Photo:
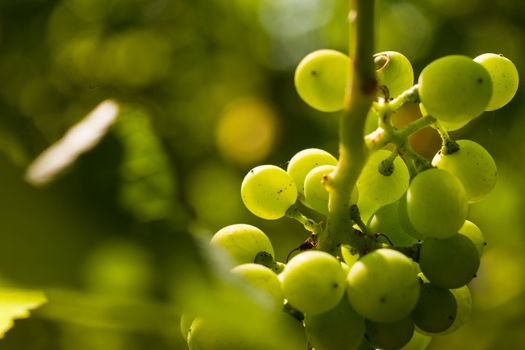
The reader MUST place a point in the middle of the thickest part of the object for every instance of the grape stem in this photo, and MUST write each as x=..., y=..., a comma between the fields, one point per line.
x=310, y=225
x=353, y=152
x=448, y=145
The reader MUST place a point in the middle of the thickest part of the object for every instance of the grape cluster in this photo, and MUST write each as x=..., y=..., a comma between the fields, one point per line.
x=408, y=280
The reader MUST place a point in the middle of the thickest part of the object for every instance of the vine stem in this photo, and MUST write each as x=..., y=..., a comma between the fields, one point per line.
x=353, y=151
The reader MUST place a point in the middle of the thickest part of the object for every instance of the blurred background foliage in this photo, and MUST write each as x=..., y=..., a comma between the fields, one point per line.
x=206, y=92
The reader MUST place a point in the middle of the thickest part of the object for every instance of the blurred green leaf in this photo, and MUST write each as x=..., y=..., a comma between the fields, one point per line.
x=17, y=303
x=148, y=187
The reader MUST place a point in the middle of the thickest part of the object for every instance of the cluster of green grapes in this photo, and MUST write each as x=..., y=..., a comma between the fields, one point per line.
x=410, y=283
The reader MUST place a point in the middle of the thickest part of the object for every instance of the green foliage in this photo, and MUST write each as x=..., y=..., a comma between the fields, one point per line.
x=205, y=91
x=17, y=303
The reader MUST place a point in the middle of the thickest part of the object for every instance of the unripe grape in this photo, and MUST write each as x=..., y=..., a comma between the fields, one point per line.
x=383, y=285
x=315, y=194
x=455, y=89
x=377, y=189
x=394, y=71
x=208, y=334
x=268, y=191
x=436, y=203
x=340, y=328
x=404, y=221
x=504, y=76
x=386, y=221
x=242, y=242
x=449, y=126
x=418, y=342
x=463, y=301
x=321, y=79
x=449, y=263
x=470, y=230
x=304, y=161
x=392, y=335
x=472, y=165
x=263, y=279
x=435, y=310
x=313, y=282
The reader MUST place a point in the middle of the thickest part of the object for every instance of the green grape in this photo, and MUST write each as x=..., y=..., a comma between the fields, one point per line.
x=435, y=310
x=376, y=189
x=404, y=222
x=340, y=328
x=383, y=285
x=348, y=256
x=313, y=282
x=263, y=279
x=449, y=263
x=223, y=333
x=394, y=71
x=436, y=203
x=292, y=330
x=346, y=268
x=371, y=123
x=392, y=335
x=268, y=191
x=386, y=221
x=463, y=301
x=315, y=194
x=242, y=242
x=208, y=334
x=472, y=165
x=321, y=79
x=504, y=76
x=418, y=342
x=365, y=345
x=306, y=160
x=473, y=232
x=449, y=126
x=455, y=89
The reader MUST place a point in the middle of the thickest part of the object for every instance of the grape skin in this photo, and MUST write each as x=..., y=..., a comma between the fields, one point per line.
x=315, y=194
x=242, y=242
x=463, y=300
x=313, y=282
x=386, y=221
x=455, y=89
x=263, y=279
x=436, y=309
x=418, y=342
x=470, y=230
x=392, y=335
x=436, y=203
x=504, y=77
x=340, y=328
x=404, y=221
x=376, y=189
x=268, y=191
x=449, y=263
x=394, y=70
x=304, y=161
x=321, y=79
x=473, y=166
x=383, y=285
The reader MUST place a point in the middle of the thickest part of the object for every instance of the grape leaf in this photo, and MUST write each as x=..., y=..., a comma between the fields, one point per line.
x=148, y=186
x=17, y=303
